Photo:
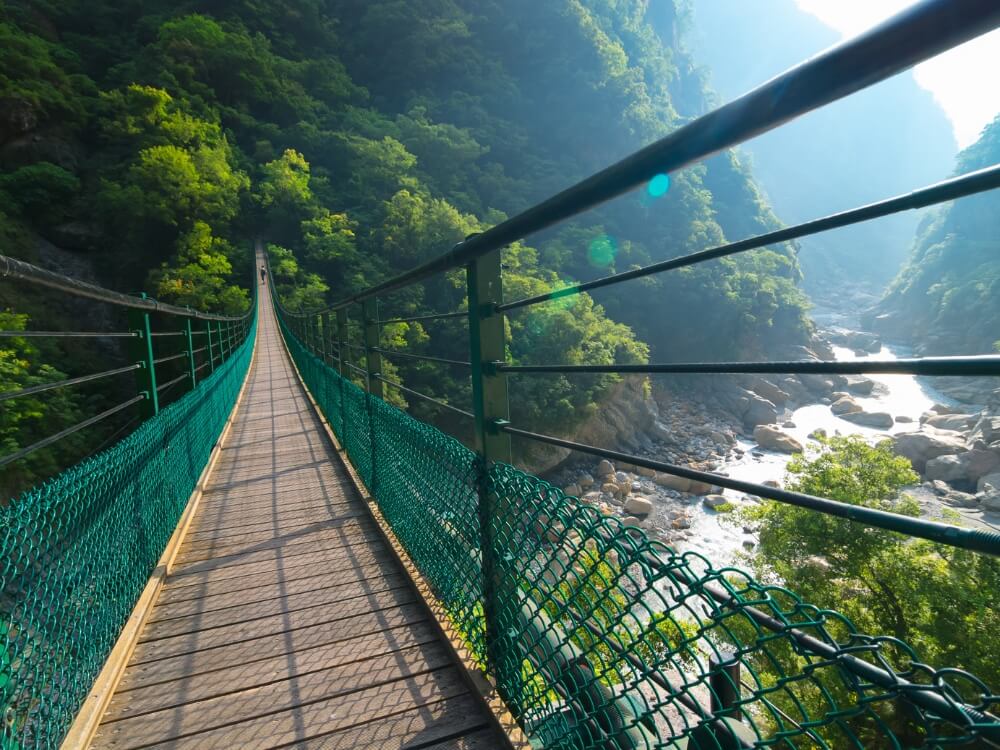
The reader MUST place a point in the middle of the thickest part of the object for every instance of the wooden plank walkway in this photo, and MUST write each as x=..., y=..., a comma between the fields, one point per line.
x=287, y=620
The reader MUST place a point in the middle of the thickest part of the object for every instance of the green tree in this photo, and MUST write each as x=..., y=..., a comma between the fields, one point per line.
x=938, y=599
x=199, y=277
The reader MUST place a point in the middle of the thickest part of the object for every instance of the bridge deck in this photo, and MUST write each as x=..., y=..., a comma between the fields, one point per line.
x=287, y=620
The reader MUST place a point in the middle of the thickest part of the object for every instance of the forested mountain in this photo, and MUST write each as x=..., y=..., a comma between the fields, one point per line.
x=157, y=139
x=947, y=298
x=886, y=140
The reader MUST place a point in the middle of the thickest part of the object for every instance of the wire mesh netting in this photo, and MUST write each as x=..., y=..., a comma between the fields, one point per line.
x=603, y=638
x=77, y=551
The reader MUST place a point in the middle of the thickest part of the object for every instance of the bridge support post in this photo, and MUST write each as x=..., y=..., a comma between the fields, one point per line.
x=373, y=360
x=490, y=406
x=344, y=347
x=190, y=351
x=211, y=349
x=142, y=352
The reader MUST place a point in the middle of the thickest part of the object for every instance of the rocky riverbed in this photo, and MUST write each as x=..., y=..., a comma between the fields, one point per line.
x=749, y=427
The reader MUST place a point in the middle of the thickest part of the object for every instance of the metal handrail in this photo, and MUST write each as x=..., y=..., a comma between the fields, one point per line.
x=11, y=268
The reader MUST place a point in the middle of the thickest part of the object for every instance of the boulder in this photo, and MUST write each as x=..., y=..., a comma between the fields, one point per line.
x=960, y=499
x=700, y=488
x=902, y=418
x=572, y=490
x=766, y=389
x=759, y=411
x=845, y=405
x=817, y=383
x=987, y=429
x=605, y=467
x=922, y=446
x=680, y=523
x=964, y=468
x=772, y=438
x=610, y=488
x=681, y=484
x=860, y=385
x=878, y=419
x=585, y=481
x=632, y=522
x=989, y=482
x=989, y=500
x=944, y=409
x=957, y=422
x=638, y=506
x=714, y=501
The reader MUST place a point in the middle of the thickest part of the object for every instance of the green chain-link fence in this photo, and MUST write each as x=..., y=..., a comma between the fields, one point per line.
x=603, y=638
x=77, y=551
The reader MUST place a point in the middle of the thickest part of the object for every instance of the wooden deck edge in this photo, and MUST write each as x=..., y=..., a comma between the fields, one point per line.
x=480, y=683
x=88, y=719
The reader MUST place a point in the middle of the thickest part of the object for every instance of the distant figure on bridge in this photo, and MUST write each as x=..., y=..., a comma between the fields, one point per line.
x=263, y=275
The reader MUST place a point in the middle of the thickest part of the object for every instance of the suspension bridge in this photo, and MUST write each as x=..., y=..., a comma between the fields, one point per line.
x=275, y=556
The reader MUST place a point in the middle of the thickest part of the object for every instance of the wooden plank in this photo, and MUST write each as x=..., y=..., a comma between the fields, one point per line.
x=276, y=572
x=411, y=729
x=330, y=596
x=151, y=647
x=357, y=526
x=198, y=574
x=484, y=739
x=319, y=579
x=228, y=543
x=279, y=705
x=239, y=677
x=142, y=673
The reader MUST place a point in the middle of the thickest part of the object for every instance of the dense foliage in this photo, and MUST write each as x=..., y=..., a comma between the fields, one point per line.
x=938, y=599
x=947, y=298
x=163, y=139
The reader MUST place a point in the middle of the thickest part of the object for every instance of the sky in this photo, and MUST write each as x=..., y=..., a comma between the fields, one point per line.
x=962, y=80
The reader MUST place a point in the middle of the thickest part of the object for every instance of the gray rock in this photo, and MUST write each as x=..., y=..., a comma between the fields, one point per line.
x=989, y=482
x=922, y=446
x=632, y=522
x=681, y=484
x=681, y=523
x=714, y=501
x=944, y=409
x=788, y=424
x=759, y=411
x=638, y=506
x=990, y=500
x=572, y=490
x=845, y=405
x=902, y=418
x=987, y=429
x=771, y=438
x=878, y=419
x=585, y=481
x=957, y=422
x=966, y=468
x=860, y=385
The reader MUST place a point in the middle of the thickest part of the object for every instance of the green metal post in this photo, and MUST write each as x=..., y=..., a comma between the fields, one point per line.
x=190, y=345
x=327, y=338
x=343, y=346
x=211, y=351
x=142, y=350
x=489, y=401
x=373, y=359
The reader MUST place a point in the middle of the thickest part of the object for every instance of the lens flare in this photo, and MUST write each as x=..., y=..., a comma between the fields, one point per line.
x=659, y=185
x=602, y=251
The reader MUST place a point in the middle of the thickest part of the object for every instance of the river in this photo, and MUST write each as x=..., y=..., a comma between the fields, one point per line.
x=713, y=535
